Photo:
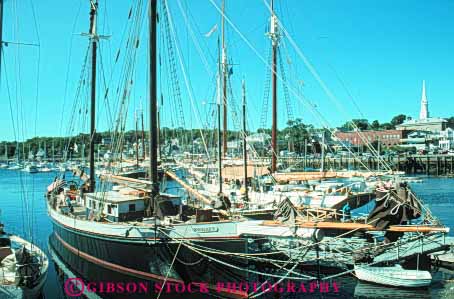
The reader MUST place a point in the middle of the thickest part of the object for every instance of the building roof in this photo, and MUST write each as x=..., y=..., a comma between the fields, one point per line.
x=113, y=197
x=430, y=120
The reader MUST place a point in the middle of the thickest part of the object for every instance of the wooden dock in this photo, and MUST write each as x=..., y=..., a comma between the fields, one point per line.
x=445, y=258
x=236, y=172
x=437, y=165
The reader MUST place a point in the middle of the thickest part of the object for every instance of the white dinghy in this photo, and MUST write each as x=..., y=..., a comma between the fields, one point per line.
x=395, y=276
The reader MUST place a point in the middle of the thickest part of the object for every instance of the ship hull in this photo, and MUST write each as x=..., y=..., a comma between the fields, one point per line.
x=114, y=259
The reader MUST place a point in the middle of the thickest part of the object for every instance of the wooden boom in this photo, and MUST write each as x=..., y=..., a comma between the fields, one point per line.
x=362, y=226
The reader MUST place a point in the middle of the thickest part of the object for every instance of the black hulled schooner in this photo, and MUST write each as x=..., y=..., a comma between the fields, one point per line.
x=128, y=230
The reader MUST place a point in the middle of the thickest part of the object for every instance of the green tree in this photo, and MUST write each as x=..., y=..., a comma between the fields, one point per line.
x=398, y=119
x=375, y=125
x=387, y=126
x=450, y=123
x=295, y=133
x=362, y=124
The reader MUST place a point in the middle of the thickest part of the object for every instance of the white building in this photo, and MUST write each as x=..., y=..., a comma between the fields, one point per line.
x=446, y=139
x=258, y=138
x=417, y=139
x=424, y=123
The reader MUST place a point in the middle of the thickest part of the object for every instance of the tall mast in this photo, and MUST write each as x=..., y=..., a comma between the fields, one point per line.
x=219, y=128
x=143, y=134
x=121, y=141
x=94, y=40
x=136, y=118
x=322, y=165
x=274, y=36
x=158, y=136
x=224, y=82
x=153, y=105
x=246, y=195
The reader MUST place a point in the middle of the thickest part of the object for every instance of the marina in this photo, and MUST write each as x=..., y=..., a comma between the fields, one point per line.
x=148, y=192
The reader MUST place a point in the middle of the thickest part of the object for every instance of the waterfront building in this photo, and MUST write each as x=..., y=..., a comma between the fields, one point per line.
x=446, y=139
x=259, y=140
x=417, y=140
x=385, y=137
x=106, y=141
x=234, y=147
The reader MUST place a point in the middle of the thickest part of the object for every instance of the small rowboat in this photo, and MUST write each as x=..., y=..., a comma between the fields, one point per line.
x=395, y=276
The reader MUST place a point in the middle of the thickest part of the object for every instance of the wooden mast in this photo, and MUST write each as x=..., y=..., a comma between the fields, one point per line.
x=219, y=124
x=136, y=119
x=224, y=83
x=322, y=149
x=94, y=40
x=143, y=135
x=246, y=194
x=274, y=36
x=153, y=106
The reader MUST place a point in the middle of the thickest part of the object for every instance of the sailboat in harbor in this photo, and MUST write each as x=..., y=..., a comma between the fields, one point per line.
x=325, y=191
x=129, y=230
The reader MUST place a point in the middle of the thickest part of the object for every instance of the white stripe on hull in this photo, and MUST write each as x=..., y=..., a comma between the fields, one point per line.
x=142, y=231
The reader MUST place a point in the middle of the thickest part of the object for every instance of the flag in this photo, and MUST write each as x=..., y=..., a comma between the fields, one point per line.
x=212, y=30
x=230, y=71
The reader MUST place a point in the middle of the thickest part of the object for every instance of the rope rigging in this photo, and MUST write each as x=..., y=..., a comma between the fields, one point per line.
x=172, y=67
x=288, y=104
x=266, y=93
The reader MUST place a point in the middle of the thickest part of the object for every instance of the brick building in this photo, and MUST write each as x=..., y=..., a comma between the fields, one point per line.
x=386, y=137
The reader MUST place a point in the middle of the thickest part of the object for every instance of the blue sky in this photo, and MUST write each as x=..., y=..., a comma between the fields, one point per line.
x=377, y=52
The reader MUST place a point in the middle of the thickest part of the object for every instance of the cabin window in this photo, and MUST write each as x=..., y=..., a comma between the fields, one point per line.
x=109, y=209
x=132, y=207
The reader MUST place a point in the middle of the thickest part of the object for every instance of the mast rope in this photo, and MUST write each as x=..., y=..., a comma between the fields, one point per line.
x=266, y=93
x=312, y=109
x=323, y=85
x=183, y=69
x=173, y=68
x=288, y=104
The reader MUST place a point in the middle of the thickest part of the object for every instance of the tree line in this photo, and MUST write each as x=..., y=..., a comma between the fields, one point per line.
x=292, y=137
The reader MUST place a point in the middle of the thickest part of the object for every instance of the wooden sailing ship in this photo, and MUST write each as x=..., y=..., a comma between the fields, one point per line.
x=134, y=232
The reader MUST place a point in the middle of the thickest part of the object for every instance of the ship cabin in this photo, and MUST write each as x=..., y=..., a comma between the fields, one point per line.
x=125, y=204
x=115, y=206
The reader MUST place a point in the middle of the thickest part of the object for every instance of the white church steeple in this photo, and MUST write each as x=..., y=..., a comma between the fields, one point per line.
x=424, y=113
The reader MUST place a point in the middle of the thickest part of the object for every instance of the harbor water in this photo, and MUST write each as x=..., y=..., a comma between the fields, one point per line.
x=23, y=211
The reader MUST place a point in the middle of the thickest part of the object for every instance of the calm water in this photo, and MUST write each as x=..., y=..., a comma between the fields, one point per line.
x=24, y=213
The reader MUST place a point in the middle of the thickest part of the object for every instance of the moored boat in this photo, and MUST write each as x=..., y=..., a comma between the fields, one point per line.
x=196, y=238
x=23, y=267
x=31, y=169
x=395, y=276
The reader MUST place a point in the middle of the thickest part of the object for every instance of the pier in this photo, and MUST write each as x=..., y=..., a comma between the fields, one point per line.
x=436, y=165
